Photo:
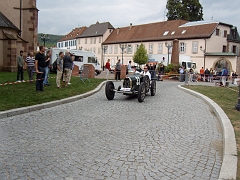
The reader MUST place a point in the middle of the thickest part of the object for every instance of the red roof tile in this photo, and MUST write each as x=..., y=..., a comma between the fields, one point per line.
x=155, y=32
x=73, y=34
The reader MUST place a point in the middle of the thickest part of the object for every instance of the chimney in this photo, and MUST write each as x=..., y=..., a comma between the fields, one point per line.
x=118, y=30
x=130, y=26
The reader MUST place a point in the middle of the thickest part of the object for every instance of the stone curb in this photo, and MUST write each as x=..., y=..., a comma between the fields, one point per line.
x=229, y=163
x=14, y=112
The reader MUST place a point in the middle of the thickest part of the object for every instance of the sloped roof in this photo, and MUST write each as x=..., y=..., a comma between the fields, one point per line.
x=6, y=23
x=73, y=34
x=166, y=30
x=97, y=29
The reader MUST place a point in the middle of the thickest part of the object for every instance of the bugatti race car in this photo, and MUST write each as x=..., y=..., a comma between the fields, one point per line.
x=133, y=84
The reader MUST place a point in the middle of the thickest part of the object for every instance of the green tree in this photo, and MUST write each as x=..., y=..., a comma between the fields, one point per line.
x=190, y=10
x=141, y=56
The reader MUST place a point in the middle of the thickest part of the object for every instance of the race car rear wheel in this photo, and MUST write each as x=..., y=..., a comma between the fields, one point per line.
x=141, y=92
x=146, y=80
x=153, y=88
x=109, y=90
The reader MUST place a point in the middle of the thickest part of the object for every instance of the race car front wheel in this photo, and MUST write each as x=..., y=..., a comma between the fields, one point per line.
x=109, y=90
x=141, y=92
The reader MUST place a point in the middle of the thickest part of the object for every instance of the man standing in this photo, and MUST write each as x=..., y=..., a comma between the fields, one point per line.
x=224, y=76
x=59, y=69
x=207, y=75
x=48, y=59
x=181, y=71
x=20, y=64
x=30, y=66
x=67, y=64
x=107, y=66
x=118, y=70
x=40, y=68
x=202, y=73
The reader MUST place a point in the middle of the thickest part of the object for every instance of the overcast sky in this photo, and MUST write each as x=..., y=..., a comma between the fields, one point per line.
x=61, y=16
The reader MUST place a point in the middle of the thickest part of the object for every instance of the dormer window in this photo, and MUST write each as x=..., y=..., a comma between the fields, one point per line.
x=173, y=33
x=184, y=31
x=96, y=32
x=165, y=33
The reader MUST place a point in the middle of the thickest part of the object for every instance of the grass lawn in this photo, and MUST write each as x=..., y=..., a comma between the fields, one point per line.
x=226, y=98
x=24, y=94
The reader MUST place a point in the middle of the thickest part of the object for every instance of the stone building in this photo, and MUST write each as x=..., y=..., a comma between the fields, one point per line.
x=18, y=31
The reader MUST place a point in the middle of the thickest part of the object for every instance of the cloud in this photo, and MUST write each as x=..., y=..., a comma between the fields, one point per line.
x=61, y=16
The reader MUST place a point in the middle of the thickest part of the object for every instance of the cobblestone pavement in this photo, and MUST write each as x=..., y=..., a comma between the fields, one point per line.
x=172, y=135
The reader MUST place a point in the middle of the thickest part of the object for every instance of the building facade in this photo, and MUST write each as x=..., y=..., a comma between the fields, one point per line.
x=69, y=40
x=210, y=44
x=92, y=38
x=18, y=31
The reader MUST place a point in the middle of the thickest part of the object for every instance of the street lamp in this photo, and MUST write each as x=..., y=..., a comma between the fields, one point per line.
x=238, y=103
x=168, y=45
x=122, y=47
x=44, y=38
x=104, y=48
x=204, y=51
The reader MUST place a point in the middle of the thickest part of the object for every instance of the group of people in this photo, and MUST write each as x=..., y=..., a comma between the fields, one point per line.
x=40, y=64
x=129, y=69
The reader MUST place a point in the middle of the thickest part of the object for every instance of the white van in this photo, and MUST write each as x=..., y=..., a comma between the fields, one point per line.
x=81, y=58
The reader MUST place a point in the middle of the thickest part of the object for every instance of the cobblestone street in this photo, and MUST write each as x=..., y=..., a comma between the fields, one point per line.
x=172, y=135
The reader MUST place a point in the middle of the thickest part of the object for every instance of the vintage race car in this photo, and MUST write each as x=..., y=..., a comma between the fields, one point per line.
x=133, y=84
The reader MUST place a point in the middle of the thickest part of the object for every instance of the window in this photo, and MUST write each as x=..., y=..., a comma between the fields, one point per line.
x=165, y=33
x=75, y=42
x=173, y=33
x=182, y=47
x=94, y=50
x=183, y=31
x=59, y=45
x=129, y=49
x=110, y=49
x=224, y=49
x=66, y=44
x=79, y=41
x=99, y=50
x=234, y=49
x=94, y=40
x=136, y=47
x=150, y=48
x=91, y=39
x=100, y=40
x=91, y=60
x=71, y=43
x=105, y=49
x=115, y=49
x=225, y=33
x=194, y=47
x=78, y=58
x=218, y=32
x=86, y=41
x=160, y=48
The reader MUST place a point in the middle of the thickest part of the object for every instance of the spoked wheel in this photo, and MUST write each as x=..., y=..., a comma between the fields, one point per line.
x=146, y=80
x=141, y=92
x=153, y=88
x=109, y=90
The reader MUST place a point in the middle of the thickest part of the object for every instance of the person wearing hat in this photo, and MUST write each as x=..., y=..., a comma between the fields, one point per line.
x=67, y=64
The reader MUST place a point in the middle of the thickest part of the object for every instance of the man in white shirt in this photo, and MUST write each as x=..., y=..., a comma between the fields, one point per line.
x=146, y=72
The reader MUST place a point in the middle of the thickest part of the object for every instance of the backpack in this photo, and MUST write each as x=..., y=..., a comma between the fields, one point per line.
x=54, y=65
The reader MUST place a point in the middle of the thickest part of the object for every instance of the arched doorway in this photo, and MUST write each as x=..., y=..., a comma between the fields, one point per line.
x=220, y=63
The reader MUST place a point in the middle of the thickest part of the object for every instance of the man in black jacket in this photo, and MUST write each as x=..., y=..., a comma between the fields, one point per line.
x=67, y=67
